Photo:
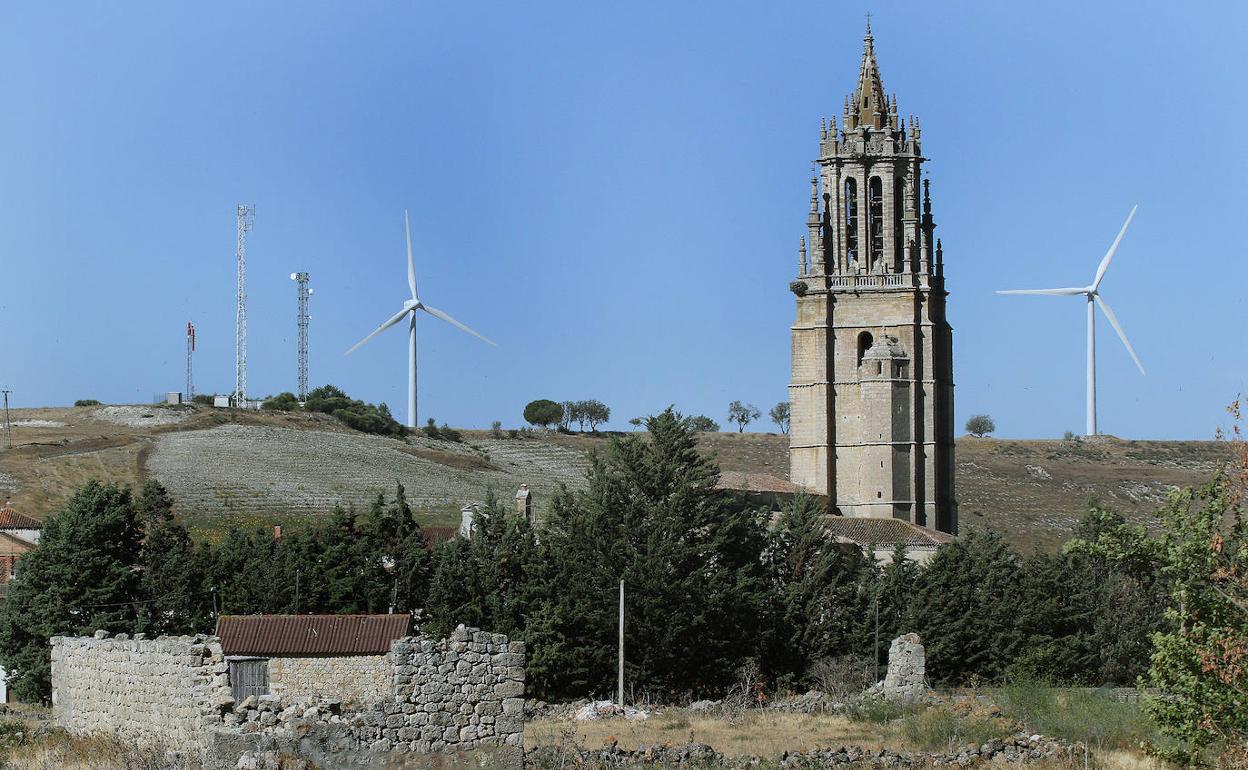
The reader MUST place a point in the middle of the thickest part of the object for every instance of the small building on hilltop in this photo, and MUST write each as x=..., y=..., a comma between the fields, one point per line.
x=311, y=656
x=879, y=538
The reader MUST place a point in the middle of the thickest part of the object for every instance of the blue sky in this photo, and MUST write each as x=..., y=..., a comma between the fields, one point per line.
x=613, y=192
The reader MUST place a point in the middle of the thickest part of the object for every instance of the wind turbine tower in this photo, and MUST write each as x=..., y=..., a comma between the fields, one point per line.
x=246, y=219
x=1092, y=294
x=305, y=293
x=408, y=313
x=190, y=351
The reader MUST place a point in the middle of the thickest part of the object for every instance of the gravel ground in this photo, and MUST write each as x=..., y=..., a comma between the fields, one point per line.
x=262, y=470
x=141, y=416
x=38, y=424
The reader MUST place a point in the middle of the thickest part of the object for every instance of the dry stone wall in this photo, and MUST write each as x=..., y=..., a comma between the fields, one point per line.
x=460, y=694
x=354, y=680
x=167, y=691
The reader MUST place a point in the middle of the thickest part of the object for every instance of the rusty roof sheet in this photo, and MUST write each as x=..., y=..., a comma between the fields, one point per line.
x=311, y=634
x=884, y=532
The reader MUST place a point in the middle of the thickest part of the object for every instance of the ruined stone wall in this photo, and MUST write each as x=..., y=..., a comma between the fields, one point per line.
x=355, y=680
x=451, y=695
x=166, y=691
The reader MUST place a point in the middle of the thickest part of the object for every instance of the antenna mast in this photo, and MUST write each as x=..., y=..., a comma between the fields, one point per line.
x=190, y=349
x=246, y=218
x=301, y=284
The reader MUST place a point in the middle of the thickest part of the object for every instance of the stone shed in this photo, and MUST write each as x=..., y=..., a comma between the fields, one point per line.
x=311, y=656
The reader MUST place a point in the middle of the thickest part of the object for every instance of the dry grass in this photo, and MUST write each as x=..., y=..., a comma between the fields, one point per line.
x=757, y=733
x=58, y=751
x=1031, y=491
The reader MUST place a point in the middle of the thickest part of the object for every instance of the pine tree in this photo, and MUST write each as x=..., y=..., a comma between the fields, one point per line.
x=891, y=590
x=81, y=577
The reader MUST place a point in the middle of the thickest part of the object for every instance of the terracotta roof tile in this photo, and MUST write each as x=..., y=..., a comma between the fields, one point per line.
x=755, y=482
x=311, y=634
x=11, y=519
x=884, y=532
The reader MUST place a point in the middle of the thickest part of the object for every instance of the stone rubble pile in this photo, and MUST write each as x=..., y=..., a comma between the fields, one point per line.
x=605, y=709
x=1016, y=749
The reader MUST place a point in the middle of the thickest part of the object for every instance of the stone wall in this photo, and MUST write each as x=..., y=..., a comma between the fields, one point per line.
x=354, y=680
x=450, y=696
x=907, y=673
x=167, y=691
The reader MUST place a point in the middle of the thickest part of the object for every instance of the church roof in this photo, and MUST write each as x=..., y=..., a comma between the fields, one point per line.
x=755, y=482
x=870, y=106
x=884, y=533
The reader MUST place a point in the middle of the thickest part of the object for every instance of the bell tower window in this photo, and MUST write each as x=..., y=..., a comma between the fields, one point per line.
x=875, y=212
x=851, y=221
x=899, y=207
x=865, y=340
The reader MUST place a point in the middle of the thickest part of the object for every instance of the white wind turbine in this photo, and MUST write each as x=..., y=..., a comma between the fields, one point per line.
x=409, y=311
x=1092, y=292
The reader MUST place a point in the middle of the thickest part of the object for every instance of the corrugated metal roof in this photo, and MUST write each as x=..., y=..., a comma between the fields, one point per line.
x=310, y=634
x=884, y=532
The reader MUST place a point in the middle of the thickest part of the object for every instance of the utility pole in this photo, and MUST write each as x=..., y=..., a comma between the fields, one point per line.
x=305, y=293
x=246, y=219
x=8, y=428
x=621, y=673
x=190, y=350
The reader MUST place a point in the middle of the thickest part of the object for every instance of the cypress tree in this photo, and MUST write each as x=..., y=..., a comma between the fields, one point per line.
x=966, y=609
x=820, y=589
x=690, y=557
x=81, y=577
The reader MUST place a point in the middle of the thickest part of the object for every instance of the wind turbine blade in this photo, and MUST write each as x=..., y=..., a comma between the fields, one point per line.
x=433, y=311
x=393, y=320
x=1057, y=292
x=1109, y=255
x=411, y=267
x=1113, y=321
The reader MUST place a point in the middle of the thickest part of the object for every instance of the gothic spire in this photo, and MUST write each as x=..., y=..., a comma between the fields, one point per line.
x=870, y=107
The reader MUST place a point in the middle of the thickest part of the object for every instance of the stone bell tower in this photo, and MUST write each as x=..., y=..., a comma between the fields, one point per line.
x=872, y=384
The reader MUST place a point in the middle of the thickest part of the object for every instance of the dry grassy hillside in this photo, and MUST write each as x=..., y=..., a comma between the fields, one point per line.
x=229, y=467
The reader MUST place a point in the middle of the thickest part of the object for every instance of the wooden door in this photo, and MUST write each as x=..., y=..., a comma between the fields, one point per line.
x=249, y=677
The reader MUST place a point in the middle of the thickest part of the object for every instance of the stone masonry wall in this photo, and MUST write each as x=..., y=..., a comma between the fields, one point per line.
x=166, y=691
x=354, y=680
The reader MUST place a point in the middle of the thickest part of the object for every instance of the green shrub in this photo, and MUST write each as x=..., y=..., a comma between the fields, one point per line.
x=363, y=417
x=496, y=429
x=202, y=398
x=86, y=402
x=877, y=710
x=282, y=402
x=936, y=729
x=1090, y=716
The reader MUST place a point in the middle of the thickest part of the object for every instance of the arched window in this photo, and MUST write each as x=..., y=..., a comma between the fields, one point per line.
x=865, y=340
x=851, y=221
x=875, y=220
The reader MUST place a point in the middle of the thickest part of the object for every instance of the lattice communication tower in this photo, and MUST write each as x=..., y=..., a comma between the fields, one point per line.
x=246, y=219
x=305, y=293
x=190, y=350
